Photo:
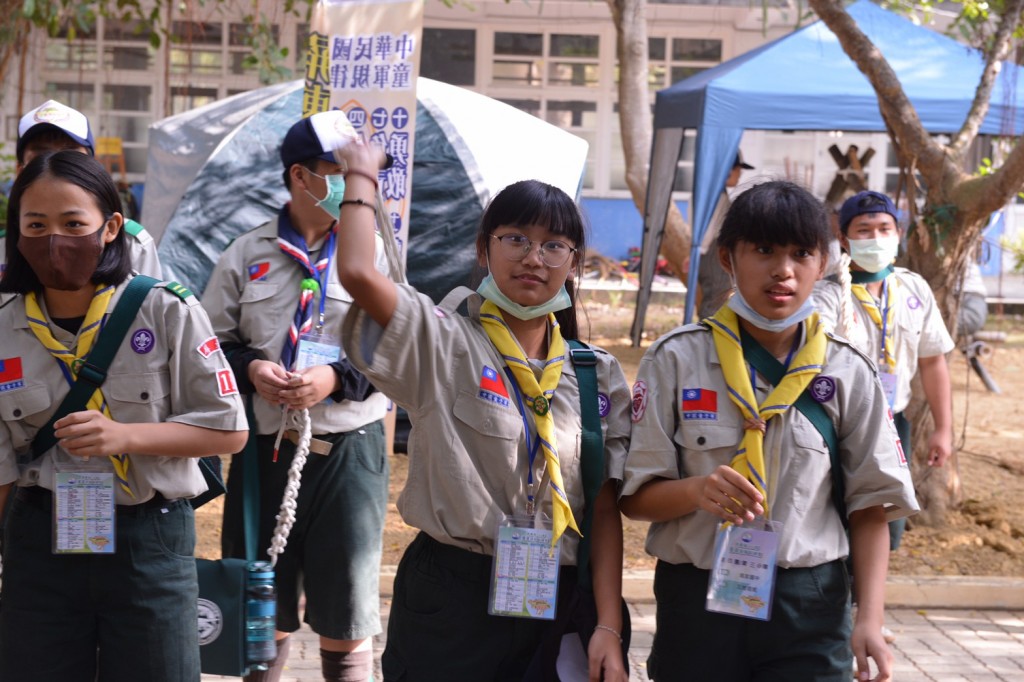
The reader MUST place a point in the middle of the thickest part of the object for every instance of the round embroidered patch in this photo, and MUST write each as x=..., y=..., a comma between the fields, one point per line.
x=639, y=400
x=211, y=621
x=142, y=341
x=913, y=303
x=823, y=388
x=604, y=405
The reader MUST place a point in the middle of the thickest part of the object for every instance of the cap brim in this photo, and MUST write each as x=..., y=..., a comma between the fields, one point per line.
x=746, y=166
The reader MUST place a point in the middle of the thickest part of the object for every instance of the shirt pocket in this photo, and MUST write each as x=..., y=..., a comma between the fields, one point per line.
x=704, y=445
x=138, y=398
x=257, y=316
x=485, y=446
x=25, y=410
x=808, y=467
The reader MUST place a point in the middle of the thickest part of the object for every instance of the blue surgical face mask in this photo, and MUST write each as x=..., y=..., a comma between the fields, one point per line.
x=875, y=254
x=739, y=305
x=331, y=204
x=489, y=290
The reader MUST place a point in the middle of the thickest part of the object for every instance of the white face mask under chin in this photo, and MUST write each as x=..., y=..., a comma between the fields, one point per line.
x=490, y=290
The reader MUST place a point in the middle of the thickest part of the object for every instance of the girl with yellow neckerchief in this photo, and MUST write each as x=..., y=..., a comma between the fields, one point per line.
x=494, y=403
x=718, y=450
x=99, y=580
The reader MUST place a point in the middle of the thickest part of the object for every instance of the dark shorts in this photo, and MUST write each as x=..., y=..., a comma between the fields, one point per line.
x=808, y=637
x=333, y=551
x=903, y=429
x=439, y=628
x=137, y=607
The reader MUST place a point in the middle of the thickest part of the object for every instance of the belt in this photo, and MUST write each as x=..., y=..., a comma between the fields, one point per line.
x=316, y=445
x=41, y=498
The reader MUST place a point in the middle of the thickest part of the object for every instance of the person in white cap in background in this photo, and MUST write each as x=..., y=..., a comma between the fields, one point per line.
x=52, y=127
x=715, y=283
x=274, y=293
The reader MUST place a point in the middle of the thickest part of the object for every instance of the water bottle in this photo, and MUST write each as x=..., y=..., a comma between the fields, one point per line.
x=260, y=616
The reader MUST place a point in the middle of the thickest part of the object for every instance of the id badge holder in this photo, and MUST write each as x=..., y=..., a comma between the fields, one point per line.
x=889, y=383
x=524, y=573
x=742, y=578
x=84, y=519
x=316, y=349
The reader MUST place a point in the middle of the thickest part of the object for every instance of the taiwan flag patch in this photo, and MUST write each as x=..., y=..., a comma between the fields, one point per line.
x=258, y=271
x=492, y=388
x=700, y=403
x=10, y=374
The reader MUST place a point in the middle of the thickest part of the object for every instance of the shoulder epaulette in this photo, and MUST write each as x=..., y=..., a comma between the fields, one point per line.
x=133, y=228
x=179, y=290
x=843, y=341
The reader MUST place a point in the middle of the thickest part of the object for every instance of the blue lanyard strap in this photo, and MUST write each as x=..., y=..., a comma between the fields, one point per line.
x=884, y=309
x=532, y=446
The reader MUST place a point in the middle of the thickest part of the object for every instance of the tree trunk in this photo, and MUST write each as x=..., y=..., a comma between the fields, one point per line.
x=635, y=123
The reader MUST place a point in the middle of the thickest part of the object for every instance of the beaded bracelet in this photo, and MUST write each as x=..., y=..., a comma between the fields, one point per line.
x=360, y=202
x=609, y=629
x=369, y=177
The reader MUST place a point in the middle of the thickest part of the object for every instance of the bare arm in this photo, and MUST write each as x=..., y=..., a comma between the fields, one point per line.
x=725, y=493
x=371, y=290
x=935, y=381
x=605, y=652
x=869, y=547
x=90, y=434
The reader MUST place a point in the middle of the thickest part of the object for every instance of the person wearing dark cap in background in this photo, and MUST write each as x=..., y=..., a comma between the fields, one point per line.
x=52, y=127
x=272, y=296
x=890, y=314
x=715, y=283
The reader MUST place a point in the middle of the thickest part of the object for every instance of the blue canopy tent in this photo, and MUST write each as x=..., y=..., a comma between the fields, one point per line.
x=804, y=81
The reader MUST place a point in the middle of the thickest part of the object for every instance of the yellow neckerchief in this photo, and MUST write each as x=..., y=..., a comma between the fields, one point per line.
x=867, y=302
x=538, y=396
x=70, y=360
x=749, y=457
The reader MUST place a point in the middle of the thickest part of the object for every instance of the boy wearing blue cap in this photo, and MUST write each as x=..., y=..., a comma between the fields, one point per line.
x=274, y=296
x=52, y=127
x=890, y=314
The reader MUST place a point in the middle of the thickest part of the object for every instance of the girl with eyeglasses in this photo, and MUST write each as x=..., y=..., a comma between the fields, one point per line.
x=494, y=402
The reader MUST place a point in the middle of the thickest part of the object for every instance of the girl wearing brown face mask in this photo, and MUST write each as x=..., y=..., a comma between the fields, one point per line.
x=122, y=606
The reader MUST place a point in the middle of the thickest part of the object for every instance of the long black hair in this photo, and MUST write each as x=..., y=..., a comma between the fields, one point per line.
x=532, y=202
x=777, y=212
x=86, y=172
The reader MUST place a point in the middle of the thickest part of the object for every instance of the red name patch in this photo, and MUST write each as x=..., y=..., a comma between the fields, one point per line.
x=209, y=347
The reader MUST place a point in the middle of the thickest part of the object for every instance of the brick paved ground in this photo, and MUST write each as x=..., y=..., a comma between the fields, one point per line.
x=933, y=645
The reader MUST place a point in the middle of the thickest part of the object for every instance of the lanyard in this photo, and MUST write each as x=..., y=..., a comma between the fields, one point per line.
x=884, y=309
x=323, y=277
x=532, y=446
x=789, y=358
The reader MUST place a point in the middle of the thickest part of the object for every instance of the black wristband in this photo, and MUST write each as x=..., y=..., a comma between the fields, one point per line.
x=360, y=202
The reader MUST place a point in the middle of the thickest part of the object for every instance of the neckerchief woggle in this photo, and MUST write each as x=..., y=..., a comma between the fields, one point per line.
x=69, y=361
x=885, y=318
x=314, y=281
x=749, y=457
x=538, y=396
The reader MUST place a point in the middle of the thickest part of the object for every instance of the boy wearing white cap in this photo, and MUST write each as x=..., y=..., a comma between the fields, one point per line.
x=52, y=127
x=274, y=291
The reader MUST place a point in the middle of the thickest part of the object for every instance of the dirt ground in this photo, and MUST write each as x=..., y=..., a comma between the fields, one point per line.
x=984, y=536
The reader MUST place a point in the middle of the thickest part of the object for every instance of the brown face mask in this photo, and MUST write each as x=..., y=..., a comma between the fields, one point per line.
x=61, y=262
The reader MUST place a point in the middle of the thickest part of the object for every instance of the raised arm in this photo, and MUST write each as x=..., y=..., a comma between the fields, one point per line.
x=371, y=290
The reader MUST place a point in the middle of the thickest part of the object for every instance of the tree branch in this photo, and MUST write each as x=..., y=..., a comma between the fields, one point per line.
x=994, y=56
x=895, y=107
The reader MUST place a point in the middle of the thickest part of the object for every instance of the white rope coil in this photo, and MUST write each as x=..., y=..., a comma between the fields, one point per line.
x=289, y=502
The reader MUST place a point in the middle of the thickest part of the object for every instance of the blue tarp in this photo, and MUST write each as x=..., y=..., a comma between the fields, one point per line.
x=804, y=81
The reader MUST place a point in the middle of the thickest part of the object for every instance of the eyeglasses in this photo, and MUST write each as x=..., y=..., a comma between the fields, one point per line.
x=515, y=247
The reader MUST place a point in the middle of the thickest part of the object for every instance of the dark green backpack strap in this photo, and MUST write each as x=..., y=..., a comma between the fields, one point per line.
x=591, y=449
x=774, y=371
x=93, y=373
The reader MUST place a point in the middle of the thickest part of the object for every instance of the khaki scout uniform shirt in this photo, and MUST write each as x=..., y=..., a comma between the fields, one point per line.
x=468, y=463
x=920, y=331
x=670, y=443
x=251, y=299
x=168, y=380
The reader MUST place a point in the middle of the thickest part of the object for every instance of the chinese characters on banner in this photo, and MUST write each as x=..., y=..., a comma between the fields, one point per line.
x=363, y=58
